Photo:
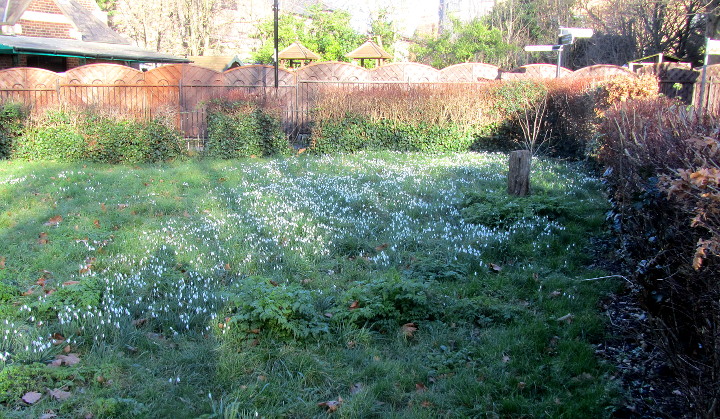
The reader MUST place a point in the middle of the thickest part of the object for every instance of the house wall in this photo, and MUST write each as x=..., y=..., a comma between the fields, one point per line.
x=47, y=29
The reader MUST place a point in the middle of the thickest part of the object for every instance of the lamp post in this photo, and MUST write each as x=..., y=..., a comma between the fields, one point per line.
x=276, y=9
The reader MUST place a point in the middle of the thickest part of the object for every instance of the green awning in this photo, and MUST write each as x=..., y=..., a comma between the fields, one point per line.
x=80, y=49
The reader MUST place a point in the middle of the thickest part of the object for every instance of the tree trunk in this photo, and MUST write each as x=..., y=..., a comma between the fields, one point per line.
x=519, y=173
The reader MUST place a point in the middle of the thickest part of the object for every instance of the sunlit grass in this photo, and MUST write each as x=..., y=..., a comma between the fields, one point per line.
x=142, y=273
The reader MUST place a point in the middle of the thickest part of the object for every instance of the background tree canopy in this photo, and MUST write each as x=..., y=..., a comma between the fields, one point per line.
x=326, y=32
x=473, y=41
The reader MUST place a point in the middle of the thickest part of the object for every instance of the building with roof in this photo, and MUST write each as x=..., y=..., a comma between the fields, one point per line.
x=58, y=35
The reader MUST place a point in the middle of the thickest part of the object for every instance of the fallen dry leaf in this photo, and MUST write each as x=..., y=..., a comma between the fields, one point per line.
x=43, y=238
x=354, y=305
x=555, y=294
x=31, y=397
x=69, y=360
x=2, y=262
x=426, y=404
x=408, y=329
x=103, y=207
x=96, y=223
x=54, y=221
x=495, y=268
x=420, y=388
x=332, y=405
x=68, y=283
x=60, y=395
x=382, y=247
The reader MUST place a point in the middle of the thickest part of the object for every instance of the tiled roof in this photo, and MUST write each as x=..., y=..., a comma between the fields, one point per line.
x=297, y=51
x=218, y=63
x=11, y=10
x=91, y=28
x=369, y=50
x=76, y=48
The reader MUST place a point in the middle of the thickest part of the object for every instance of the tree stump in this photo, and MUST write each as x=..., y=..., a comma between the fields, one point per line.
x=519, y=173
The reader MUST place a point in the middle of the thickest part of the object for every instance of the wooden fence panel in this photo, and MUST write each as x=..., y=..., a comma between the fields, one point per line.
x=181, y=91
x=469, y=73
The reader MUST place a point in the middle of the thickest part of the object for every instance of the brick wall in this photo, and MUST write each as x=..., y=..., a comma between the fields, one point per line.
x=44, y=6
x=46, y=29
x=5, y=61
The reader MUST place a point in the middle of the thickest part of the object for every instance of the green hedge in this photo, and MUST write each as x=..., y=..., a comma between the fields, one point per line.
x=355, y=133
x=12, y=123
x=242, y=130
x=82, y=136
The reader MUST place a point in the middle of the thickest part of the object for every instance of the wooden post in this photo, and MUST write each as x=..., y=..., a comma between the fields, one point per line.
x=519, y=173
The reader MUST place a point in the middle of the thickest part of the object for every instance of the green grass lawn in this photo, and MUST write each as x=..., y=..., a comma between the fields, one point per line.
x=367, y=285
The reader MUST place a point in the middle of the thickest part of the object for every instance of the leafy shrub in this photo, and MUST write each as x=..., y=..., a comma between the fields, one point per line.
x=661, y=166
x=54, y=136
x=261, y=306
x=12, y=121
x=386, y=299
x=242, y=129
x=70, y=135
x=622, y=88
x=355, y=133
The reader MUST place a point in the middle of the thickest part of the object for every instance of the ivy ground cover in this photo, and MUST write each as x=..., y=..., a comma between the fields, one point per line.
x=365, y=285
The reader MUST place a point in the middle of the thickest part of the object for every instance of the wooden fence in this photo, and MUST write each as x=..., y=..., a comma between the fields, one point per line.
x=182, y=91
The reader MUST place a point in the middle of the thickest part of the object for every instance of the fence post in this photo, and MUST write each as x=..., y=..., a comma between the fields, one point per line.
x=519, y=173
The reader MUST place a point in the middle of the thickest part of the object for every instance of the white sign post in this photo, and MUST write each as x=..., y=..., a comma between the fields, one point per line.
x=712, y=47
x=567, y=37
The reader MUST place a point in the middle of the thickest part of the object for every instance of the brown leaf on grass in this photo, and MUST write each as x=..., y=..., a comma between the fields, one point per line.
x=68, y=360
x=96, y=223
x=103, y=207
x=59, y=394
x=227, y=266
x=420, y=388
x=2, y=262
x=495, y=268
x=31, y=397
x=68, y=283
x=54, y=221
x=426, y=404
x=274, y=283
x=382, y=247
x=354, y=305
x=43, y=238
x=41, y=281
x=408, y=329
x=356, y=388
x=122, y=206
x=332, y=405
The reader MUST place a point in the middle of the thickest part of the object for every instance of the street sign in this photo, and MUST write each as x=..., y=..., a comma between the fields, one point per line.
x=713, y=47
x=534, y=48
x=566, y=39
x=577, y=32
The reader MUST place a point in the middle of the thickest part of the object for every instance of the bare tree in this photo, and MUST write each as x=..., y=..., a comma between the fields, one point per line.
x=184, y=27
